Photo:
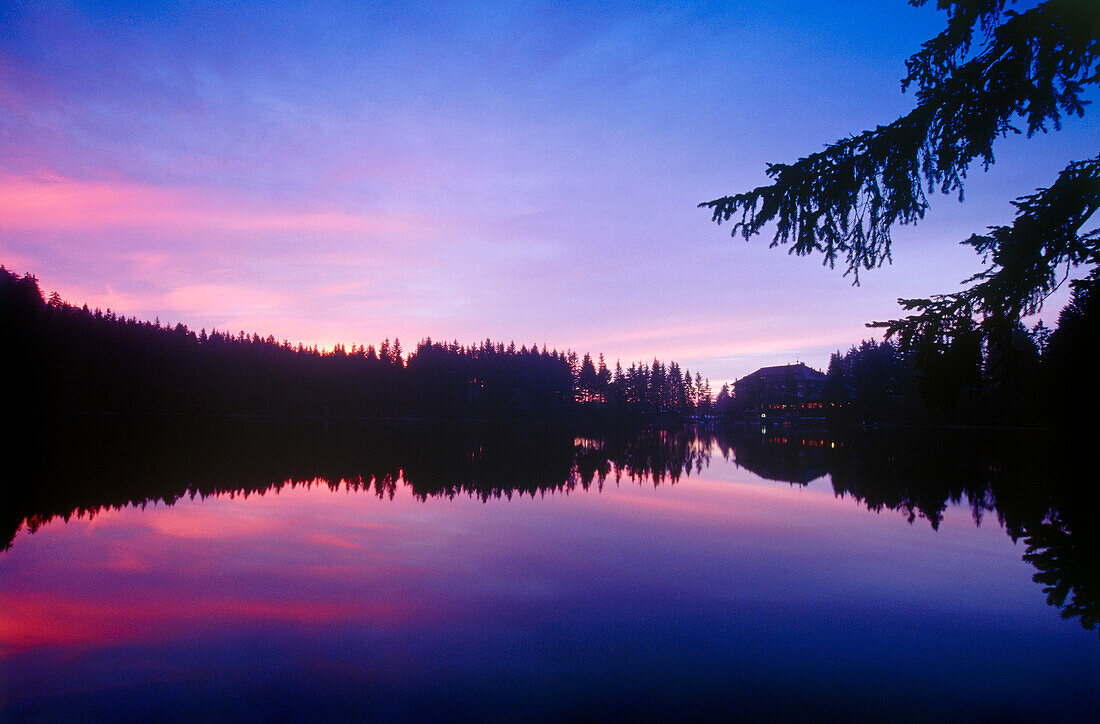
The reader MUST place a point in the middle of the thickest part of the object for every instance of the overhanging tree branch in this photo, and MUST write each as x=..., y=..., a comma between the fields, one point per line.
x=843, y=201
x=1027, y=261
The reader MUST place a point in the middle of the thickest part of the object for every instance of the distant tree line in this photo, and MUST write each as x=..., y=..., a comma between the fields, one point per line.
x=1039, y=376
x=74, y=359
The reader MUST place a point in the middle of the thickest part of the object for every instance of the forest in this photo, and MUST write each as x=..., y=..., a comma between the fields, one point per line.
x=1040, y=377
x=71, y=359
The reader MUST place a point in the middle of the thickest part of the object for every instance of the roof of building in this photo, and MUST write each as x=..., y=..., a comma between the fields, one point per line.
x=796, y=371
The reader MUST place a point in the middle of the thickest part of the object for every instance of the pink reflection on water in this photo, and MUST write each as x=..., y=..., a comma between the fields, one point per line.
x=131, y=615
x=304, y=557
x=130, y=575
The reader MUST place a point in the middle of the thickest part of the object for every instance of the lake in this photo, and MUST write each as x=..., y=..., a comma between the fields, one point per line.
x=232, y=569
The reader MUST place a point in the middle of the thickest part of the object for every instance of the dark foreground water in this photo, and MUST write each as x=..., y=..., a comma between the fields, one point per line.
x=239, y=570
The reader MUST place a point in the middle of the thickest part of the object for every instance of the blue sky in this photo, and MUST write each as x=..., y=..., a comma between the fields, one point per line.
x=519, y=171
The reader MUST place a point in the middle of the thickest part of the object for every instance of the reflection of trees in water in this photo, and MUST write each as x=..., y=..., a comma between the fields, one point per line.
x=1067, y=561
x=78, y=468
x=1031, y=483
x=790, y=457
x=70, y=468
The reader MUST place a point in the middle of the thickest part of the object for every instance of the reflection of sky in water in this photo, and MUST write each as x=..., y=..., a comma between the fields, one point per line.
x=718, y=589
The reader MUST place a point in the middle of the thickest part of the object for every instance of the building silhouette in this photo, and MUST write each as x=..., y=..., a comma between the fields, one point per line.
x=782, y=391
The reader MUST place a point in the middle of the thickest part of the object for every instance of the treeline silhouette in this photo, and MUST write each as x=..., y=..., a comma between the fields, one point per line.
x=73, y=359
x=1037, y=375
x=1034, y=377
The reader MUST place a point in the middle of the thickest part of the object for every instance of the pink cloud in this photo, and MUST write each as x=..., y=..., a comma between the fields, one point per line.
x=17, y=262
x=672, y=340
x=226, y=297
x=48, y=202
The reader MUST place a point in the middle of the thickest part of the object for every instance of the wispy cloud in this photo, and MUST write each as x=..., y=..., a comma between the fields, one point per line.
x=49, y=202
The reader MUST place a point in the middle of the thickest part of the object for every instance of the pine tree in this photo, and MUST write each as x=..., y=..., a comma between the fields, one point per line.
x=1029, y=68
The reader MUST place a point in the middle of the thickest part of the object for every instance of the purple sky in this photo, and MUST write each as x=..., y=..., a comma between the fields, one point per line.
x=521, y=172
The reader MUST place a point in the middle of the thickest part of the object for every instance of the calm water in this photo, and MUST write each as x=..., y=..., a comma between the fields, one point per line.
x=236, y=570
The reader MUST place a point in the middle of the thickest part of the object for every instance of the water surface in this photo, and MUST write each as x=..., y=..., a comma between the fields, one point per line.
x=250, y=570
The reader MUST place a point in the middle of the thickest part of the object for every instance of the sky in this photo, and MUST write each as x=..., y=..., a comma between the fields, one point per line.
x=332, y=173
